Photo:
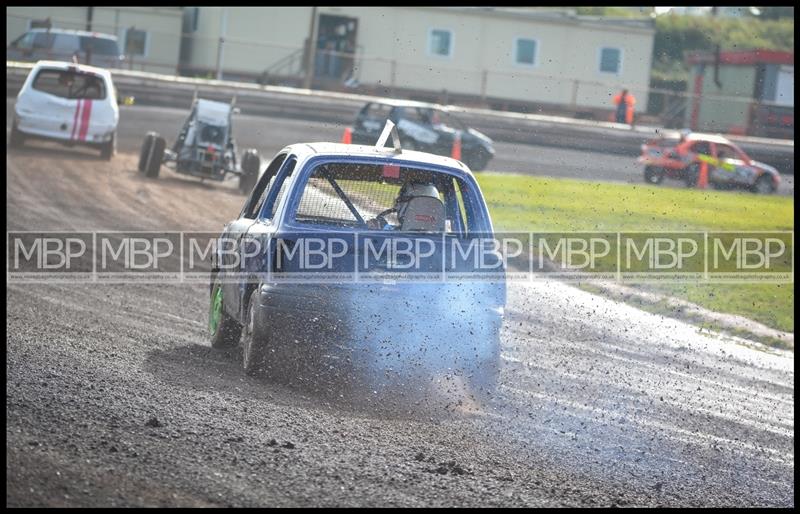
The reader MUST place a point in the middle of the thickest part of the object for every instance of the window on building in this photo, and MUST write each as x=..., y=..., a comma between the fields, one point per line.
x=440, y=42
x=525, y=51
x=610, y=60
x=135, y=42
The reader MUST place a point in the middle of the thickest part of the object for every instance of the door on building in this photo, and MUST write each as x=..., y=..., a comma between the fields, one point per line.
x=336, y=47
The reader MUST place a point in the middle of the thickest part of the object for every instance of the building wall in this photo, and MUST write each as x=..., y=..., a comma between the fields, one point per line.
x=393, y=50
x=162, y=25
x=718, y=115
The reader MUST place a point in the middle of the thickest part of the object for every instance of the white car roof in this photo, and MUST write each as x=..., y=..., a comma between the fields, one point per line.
x=63, y=65
x=213, y=113
x=323, y=148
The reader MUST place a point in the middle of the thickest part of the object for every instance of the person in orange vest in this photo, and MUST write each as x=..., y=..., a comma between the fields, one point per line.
x=624, y=103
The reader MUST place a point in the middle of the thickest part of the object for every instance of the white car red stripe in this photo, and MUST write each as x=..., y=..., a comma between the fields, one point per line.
x=75, y=120
x=86, y=115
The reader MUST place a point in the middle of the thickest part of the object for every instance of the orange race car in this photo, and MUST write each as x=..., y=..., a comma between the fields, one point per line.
x=679, y=158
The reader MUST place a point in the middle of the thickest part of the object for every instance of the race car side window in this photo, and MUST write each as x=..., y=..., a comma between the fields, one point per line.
x=702, y=147
x=278, y=188
x=259, y=193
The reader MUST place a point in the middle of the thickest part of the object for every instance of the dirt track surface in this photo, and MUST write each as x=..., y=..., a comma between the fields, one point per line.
x=115, y=397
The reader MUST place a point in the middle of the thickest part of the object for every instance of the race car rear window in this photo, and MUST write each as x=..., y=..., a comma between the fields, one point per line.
x=70, y=84
x=354, y=195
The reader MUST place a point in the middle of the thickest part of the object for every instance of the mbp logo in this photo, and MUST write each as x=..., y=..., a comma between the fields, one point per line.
x=750, y=256
x=53, y=254
x=659, y=255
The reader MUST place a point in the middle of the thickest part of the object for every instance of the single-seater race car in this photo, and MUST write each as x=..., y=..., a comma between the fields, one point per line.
x=205, y=148
x=360, y=262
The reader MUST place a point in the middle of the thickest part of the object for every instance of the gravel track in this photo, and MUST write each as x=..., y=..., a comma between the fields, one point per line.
x=115, y=397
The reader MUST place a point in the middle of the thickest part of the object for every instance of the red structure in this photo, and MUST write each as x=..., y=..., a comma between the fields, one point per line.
x=765, y=77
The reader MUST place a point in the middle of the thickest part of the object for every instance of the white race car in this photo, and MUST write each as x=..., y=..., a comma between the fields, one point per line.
x=70, y=103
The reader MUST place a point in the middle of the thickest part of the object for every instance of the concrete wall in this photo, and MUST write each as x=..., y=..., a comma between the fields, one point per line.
x=162, y=24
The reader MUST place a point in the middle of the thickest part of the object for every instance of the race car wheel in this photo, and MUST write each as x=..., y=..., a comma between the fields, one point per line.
x=251, y=164
x=155, y=157
x=691, y=176
x=108, y=149
x=17, y=138
x=253, y=339
x=144, y=154
x=478, y=161
x=764, y=185
x=225, y=331
x=653, y=175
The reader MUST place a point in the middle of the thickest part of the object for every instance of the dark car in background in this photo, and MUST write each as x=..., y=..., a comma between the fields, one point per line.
x=101, y=50
x=424, y=127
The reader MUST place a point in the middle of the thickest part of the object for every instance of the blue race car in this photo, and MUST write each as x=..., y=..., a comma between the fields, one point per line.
x=360, y=262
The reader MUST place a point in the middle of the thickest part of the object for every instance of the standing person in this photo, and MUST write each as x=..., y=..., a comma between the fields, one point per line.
x=624, y=103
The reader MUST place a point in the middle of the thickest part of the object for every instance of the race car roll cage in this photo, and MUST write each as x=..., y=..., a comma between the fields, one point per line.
x=227, y=161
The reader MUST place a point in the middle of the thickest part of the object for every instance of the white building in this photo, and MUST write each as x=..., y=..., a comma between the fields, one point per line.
x=512, y=54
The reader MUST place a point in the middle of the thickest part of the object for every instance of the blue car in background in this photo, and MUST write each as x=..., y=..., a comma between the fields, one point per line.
x=355, y=261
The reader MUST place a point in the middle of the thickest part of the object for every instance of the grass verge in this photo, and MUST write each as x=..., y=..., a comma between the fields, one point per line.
x=525, y=203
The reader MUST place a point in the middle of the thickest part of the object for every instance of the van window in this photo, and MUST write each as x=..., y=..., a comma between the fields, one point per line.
x=99, y=45
x=70, y=84
x=66, y=43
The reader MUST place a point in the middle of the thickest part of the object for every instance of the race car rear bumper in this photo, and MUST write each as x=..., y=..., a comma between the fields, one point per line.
x=30, y=128
x=379, y=330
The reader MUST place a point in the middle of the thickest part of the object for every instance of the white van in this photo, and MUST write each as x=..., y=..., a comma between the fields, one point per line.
x=91, y=48
x=70, y=103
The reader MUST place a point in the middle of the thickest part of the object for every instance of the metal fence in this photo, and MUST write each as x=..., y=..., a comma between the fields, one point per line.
x=523, y=89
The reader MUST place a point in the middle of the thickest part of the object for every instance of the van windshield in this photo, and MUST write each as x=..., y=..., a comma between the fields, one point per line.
x=70, y=84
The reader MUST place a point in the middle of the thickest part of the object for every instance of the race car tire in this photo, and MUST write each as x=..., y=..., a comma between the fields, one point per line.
x=144, y=154
x=251, y=163
x=764, y=185
x=225, y=331
x=253, y=339
x=479, y=161
x=156, y=156
x=691, y=175
x=109, y=149
x=653, y=175
x=17, y=138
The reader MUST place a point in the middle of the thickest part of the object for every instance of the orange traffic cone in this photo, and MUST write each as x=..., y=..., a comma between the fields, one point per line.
x=456, y=154
x=702, y=180
x=347, y=137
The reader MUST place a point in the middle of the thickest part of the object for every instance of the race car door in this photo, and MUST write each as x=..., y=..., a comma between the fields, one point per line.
x=229, y=250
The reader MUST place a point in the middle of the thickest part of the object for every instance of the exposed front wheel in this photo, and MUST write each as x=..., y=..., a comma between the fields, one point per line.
x=156, y=156
x=225, y=331
x=144, y=153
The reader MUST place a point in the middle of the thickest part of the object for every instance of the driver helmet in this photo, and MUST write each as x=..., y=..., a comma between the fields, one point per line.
x=413, y=190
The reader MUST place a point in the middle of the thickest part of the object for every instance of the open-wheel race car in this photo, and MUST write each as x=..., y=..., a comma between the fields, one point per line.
x=205, y=148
